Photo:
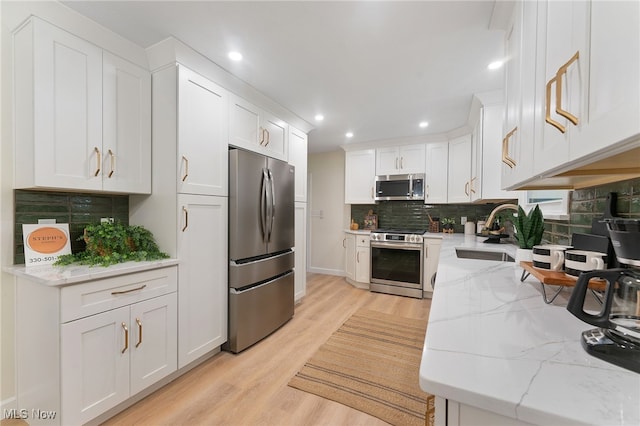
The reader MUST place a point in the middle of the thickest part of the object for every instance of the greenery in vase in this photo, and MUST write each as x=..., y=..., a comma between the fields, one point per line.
x=448, y=222
x=529, y=227
x=110, y=243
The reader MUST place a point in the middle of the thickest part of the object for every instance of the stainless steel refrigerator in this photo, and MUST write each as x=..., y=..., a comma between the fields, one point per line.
x=261, y=238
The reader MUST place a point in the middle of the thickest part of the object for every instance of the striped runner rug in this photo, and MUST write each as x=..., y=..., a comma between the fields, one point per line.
x=371, y=363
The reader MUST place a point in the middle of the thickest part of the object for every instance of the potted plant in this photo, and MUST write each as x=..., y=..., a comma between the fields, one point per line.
x=109, y=243
x=529, y=229
x=447, y=224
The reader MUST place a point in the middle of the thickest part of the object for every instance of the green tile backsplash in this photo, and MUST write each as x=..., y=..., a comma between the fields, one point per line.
x=585, y=205
x=76, y=209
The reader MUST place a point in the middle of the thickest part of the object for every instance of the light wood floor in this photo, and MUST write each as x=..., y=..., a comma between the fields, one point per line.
x=251, y=388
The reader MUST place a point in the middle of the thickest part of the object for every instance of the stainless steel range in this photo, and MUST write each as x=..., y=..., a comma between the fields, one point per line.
x=397, y=262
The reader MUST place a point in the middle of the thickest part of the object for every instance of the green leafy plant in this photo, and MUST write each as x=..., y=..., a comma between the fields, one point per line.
x=529, y=227
x=110, y=243
x=448, y=221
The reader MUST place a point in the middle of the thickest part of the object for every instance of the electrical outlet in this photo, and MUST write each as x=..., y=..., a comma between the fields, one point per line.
x=106, y=220
x=463, y=220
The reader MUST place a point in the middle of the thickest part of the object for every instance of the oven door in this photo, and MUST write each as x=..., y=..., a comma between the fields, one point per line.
x=398, y=264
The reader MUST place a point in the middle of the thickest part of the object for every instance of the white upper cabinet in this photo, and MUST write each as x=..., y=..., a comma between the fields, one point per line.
x=257, y=130
x=436, y=172
x=126, y=141
x=62, y=115
x=459, y=185
x=359, y=176
x=407, y=159
x=298, y=158
x=202, y=135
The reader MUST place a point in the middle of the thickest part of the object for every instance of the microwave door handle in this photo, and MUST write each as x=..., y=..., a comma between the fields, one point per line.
x=264, y=205
x=410, y=194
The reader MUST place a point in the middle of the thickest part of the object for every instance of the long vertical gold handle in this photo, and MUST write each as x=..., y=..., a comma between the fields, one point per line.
x=268, y=139
x=261, y=130
x=139, y=332
x=396, y=163
x=466, y=188
x=98, y=161
x=185, y=160
x=357, y=257
x=473, y=191
x=401, y=162
x=126, y=337
x=562, y=71
x=186, y=218
x=548, y=118
x=344, y=243
x=112, y=162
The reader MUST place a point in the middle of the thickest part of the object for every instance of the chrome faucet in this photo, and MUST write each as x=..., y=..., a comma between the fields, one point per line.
x=492, y=215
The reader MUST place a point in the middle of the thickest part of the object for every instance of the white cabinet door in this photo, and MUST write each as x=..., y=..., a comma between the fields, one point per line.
x=298, y=158
x=363, y=262
x=202, y=275
x=436, y=172
x=95, y=353
x=202, y=135
x=412, y=159
x=58, y=122
x=612, y=113
x=562, y=33
x=126, y=133
x=350, y=256
x=476, y=182
x=459, y=170
x=153, y=340
x=300, y=248
x=276, y=136
x=360, y=172
x=387, y=161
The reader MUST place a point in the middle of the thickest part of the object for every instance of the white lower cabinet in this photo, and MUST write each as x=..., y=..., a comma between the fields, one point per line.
x=453, y=413
x=202, y=250
x=113, y=355
x=357, y=258
x=104, y=340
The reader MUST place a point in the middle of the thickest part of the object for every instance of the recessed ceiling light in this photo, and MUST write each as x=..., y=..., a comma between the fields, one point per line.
x=349, y=134
x=319, y=117
x=235, y=56
x=495, y=65
x=423, y=124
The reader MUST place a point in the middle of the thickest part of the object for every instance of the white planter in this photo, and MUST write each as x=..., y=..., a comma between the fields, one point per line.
x=524, y=255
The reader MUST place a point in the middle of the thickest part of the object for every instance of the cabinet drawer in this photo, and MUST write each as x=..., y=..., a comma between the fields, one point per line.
x=81, y=300
x=362, y=241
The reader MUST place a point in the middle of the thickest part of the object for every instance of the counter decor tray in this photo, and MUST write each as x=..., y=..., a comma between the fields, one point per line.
x=559, y=279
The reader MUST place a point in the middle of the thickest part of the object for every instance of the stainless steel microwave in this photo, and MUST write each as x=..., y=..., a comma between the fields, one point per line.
x=400, y=187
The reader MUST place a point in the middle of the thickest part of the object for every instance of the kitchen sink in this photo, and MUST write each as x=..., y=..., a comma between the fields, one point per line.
x=483, y=255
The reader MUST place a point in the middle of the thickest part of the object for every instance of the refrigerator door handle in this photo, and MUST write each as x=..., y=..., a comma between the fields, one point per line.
x=264, y=205
x=273, y=203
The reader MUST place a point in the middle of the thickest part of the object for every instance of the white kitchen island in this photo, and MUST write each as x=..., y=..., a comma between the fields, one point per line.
x=495, y=353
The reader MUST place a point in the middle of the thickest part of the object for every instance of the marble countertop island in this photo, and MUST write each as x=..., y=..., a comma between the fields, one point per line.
x=492, y=343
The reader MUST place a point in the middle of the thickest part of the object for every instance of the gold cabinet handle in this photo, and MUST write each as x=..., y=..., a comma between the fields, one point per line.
x=466, y=188
x=139, y=332
x=357, y=257
x=261, y=131
x=505, y=149
x=185, y=160
x=563, y=71
x=548, y=118
x=473, y=191
x=186, y=218
x=344, y=243
x=396, y=163
x=98, y=161
x=401, y=162
x=112, y=162
x=126, y=337
x=128, y=291
x=268, y=139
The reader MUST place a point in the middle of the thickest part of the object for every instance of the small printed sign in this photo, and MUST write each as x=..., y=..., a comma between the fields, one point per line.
x=43, y=243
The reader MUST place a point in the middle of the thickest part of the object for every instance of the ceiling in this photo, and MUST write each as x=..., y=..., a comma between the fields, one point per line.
x=374, y=68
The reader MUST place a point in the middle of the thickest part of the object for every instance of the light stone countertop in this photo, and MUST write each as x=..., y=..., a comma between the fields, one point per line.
x=75, y=274
x=494, y=344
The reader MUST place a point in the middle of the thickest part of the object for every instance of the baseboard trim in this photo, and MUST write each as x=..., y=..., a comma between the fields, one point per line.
x=336, y=272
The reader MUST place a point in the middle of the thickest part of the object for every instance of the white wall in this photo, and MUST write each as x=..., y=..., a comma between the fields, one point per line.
x=329, y=216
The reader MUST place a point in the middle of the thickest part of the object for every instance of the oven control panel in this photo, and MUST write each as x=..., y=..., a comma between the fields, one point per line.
x=399, y=238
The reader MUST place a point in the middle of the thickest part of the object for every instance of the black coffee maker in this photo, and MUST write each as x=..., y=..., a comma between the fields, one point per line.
x=617, y=338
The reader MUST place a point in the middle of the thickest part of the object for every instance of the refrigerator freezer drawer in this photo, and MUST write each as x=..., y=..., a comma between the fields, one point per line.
x=258, y=311
x=244, y=274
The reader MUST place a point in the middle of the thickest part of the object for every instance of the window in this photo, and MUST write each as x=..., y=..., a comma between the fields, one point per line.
x=554, y=204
